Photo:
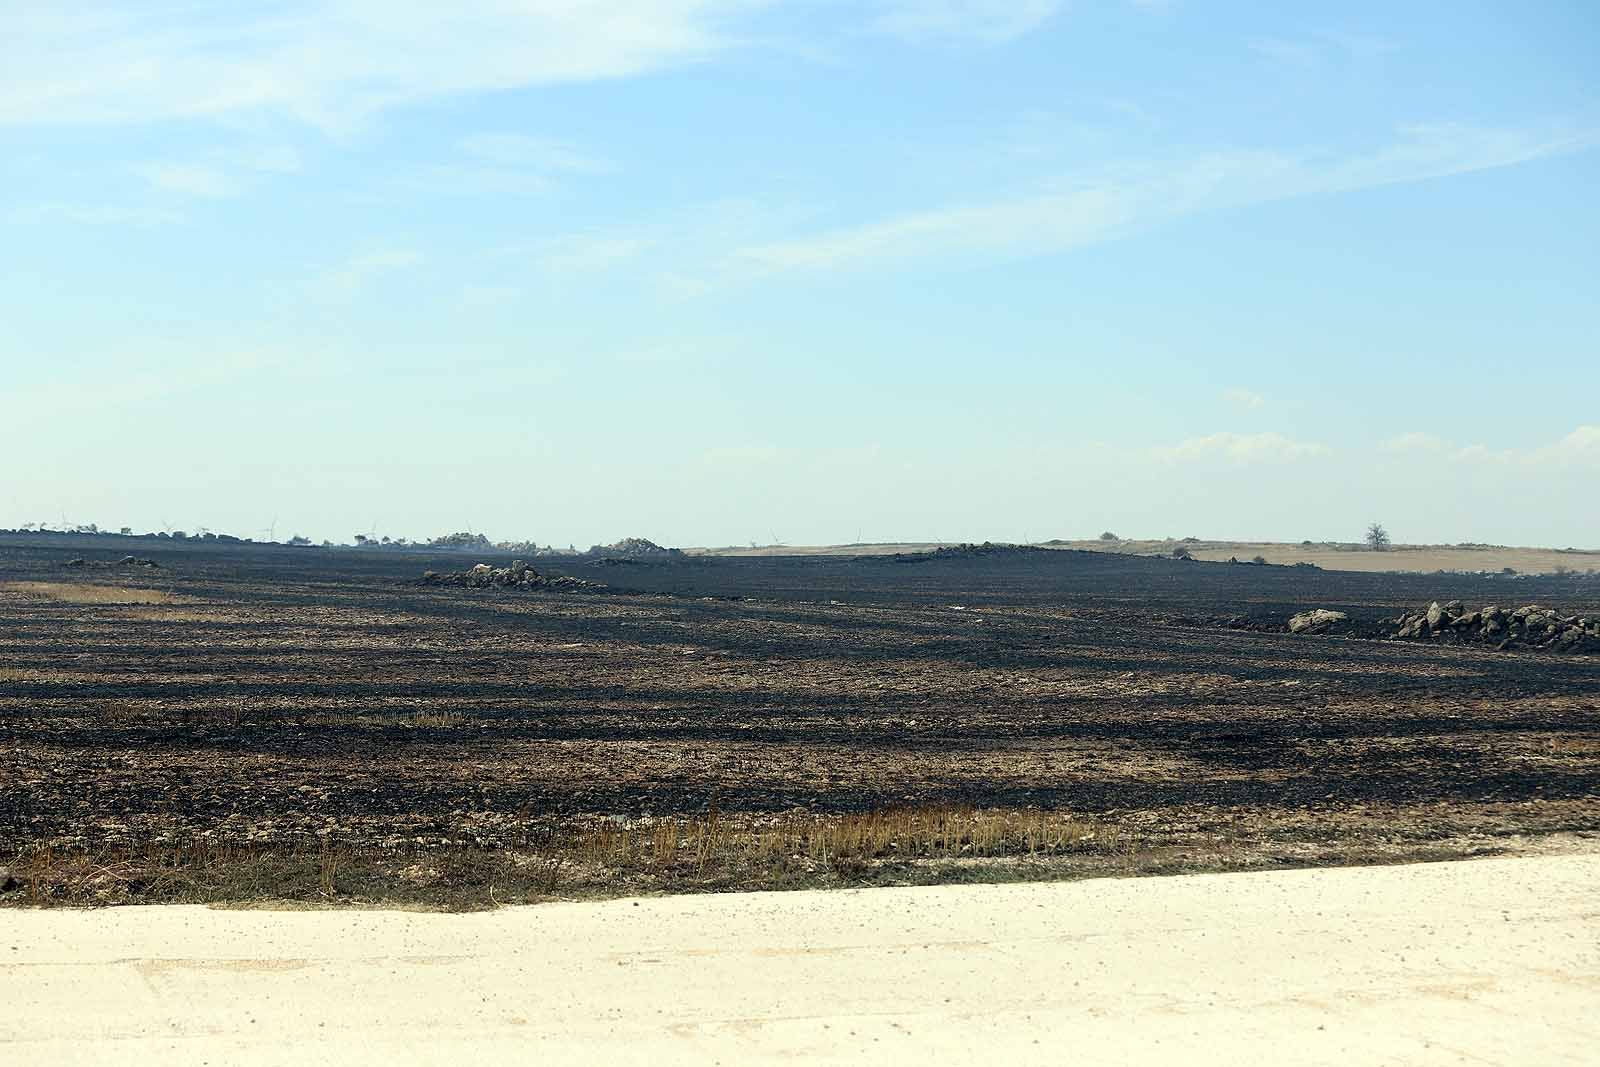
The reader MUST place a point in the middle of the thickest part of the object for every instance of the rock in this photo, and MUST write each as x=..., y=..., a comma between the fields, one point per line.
x=1435, y=615
x=1494, y=627
x=1454, y=608
x=1467, y=621
x=74, y=563
x=1507, y=645
x=483, y=576
x=1315, y=621
x=7, y=881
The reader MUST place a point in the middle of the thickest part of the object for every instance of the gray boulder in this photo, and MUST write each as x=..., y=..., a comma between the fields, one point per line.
x=1315, y=621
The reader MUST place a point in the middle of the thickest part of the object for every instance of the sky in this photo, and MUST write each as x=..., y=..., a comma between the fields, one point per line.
x=728, y=271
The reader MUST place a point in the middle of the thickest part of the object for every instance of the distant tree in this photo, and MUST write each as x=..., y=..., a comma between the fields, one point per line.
x=1109, y=536
x=297, y=541
x=127, y=531
x=1260, y=561
x=1181, y=552
x=1377, y=538
x=460, y=540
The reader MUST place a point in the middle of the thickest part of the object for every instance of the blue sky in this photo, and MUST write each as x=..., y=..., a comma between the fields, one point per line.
x=720, y=271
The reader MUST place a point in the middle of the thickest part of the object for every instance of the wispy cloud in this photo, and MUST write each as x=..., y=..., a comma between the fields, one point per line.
x=188, y=179
x=1581, y=447
x=991, y=21
x=1082, y=210
x=1415, y=442
x=359, y=270
x=83, y=214
x=1321, y=47
x=586, y=253
x=495, y=164
x=1243, y=398
x=1267, y=447
x=524, y=152
x=327, y=63
x=220, y=173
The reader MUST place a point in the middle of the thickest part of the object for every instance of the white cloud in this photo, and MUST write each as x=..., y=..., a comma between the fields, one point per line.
x=586, y=253
x=1581, y=447
x=1085, y=210
x=359, y=270
x=56, y=212
x=270, y=159
x=532, y=153
x=1415, y=442
x=493, y=164
x=1585, y=440
x=326, y=62
x=993, y=21
x=190, y=180
x=1243, y=398
x=220, y=173
x=1267, y=447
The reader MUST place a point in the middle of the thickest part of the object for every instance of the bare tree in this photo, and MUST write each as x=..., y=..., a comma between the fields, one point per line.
x=1377, y=537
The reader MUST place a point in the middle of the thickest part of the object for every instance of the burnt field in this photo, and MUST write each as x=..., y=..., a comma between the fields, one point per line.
x=322, y=723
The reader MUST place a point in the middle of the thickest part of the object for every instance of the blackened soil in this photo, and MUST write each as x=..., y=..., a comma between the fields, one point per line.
x=283, y=693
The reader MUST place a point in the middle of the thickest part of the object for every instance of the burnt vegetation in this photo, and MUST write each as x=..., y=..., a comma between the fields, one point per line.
x=247, y=722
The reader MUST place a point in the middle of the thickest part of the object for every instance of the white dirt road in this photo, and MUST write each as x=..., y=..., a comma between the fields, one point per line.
x=1490, y=961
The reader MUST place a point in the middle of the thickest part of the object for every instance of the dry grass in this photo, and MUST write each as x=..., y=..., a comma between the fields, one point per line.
x=85, y=593
x=1425, y=559
x=437, y=720
x=897, y=834
x=171, y=614
x=601, y=857
x=32, y=674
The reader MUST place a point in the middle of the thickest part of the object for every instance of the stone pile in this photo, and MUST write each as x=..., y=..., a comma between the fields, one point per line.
x=1524, y=627
x=634, y=548
x=125, y=561
x=517, y=576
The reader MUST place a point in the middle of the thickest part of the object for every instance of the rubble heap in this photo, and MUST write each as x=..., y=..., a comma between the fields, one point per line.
x=517, y=576
x=634, y=548
x=1525, y=627
x=125, y=561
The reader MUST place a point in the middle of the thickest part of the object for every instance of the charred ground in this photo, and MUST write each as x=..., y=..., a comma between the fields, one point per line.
x=268, y=700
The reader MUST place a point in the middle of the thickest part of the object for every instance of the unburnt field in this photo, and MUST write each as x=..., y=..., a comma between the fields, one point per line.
x=261, y=723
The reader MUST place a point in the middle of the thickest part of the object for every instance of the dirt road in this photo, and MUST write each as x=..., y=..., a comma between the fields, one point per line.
x=1486, y=961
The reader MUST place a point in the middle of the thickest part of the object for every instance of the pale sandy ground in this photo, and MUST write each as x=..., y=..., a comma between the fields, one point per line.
x=1424, y=559
x=1490, y=961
